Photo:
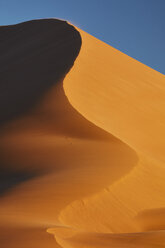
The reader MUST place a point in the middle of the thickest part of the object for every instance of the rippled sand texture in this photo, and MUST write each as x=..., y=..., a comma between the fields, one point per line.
x=81, y=150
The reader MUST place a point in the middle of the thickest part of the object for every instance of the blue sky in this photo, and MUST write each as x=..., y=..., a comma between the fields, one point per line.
x=136, y=27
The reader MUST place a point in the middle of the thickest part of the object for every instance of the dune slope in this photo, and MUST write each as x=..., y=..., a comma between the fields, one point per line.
x=125, y=98
x=81, y=150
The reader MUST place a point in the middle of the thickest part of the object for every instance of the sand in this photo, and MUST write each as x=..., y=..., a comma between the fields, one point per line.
x=86, y=149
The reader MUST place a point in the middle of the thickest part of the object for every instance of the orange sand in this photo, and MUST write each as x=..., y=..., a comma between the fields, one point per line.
x=97, y=148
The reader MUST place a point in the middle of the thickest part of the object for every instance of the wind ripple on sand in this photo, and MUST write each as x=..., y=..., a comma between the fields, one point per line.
x=72, y=239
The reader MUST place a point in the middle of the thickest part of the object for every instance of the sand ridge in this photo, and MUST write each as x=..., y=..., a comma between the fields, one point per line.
x=89, y=144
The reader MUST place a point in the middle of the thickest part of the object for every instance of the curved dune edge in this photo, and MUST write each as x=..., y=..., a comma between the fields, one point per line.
x=64, y=163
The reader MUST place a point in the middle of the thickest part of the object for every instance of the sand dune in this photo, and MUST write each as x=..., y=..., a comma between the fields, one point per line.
x=81, y=149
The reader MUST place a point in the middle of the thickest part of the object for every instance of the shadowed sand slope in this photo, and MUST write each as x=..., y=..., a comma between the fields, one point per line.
x=34, y=55
x=87, y=158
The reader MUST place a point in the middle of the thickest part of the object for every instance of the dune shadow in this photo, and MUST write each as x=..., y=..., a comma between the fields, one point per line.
x=34, y=56
x=10, y=179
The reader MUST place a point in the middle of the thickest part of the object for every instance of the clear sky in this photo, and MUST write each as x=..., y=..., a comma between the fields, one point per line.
x=136, y=27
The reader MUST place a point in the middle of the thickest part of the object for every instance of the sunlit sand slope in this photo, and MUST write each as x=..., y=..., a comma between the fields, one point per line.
x=83, y=162
x=119, y=94
x=127, y=99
